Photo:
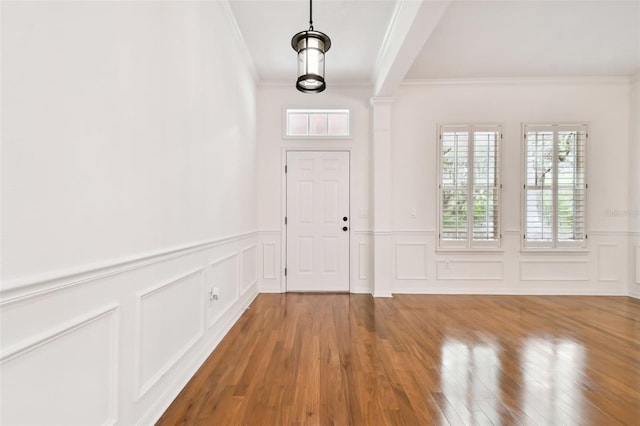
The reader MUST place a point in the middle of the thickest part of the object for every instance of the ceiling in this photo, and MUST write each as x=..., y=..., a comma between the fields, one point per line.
x=470, y=39
x=356, y=29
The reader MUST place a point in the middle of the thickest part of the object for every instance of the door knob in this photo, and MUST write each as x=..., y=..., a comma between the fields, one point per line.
x=345, y=219
x=344, y=228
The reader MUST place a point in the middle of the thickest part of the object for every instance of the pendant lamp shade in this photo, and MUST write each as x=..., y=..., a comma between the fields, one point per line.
x=311, y=46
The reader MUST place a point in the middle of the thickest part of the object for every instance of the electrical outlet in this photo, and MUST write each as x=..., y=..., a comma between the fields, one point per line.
x=214, y=293
x=413, y=213
x=364, y=212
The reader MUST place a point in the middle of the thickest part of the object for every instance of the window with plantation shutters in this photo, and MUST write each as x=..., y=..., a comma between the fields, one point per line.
x=555, y=187
x=469, y=187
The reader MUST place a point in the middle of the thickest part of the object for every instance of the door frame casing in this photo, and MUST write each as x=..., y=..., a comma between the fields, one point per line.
x=310, y=147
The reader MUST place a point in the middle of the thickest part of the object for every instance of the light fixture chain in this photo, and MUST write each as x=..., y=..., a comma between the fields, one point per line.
x=310, y=15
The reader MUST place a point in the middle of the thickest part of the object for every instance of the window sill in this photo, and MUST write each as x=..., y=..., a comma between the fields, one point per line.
x=554, y=250
x=478, y=250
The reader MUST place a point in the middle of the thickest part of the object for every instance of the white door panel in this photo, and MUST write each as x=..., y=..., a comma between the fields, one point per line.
x=317, y=203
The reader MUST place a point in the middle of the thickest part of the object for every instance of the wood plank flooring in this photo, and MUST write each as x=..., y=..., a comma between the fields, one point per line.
x=341, y=359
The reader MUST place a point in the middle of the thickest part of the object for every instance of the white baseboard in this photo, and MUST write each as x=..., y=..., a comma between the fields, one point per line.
x=508, y=292
x=361, y=290
x=270, y=289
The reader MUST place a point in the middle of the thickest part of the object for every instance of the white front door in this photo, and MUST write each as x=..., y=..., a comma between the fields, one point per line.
x=318, y=221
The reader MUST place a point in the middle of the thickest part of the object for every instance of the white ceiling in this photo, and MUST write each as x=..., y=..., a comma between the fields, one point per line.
x=356, y=29
x=533, y=39
x=472, y=39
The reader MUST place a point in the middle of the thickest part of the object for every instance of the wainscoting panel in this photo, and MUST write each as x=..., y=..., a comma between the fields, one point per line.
x=270, y=252
x=364, y=254
x=169, y=320
x=477, y=270
x=637, y=264
x=76, y=362
x=269, y=261
x=249, y=267
x=360, y=279
x=608, y=262
x=554, y=270
x=115, y=342
x=411, y=261
x=222, y=287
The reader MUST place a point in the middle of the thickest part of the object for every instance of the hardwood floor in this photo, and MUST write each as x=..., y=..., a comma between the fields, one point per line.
x=422, y=360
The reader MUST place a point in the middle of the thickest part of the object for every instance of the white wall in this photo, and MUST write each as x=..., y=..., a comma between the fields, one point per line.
x=634, y=188
x=128, y=192
x=272, y=103
x=417, y=111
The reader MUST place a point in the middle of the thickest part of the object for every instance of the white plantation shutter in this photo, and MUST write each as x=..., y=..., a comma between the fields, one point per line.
x=454, y=186
x=555, y=188
x=469, y=189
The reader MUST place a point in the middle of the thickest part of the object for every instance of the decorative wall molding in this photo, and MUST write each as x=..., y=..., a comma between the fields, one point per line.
x=608, y=262
x=245, y=260
x=271, y=232
x=637, y=264
x=592, y=233
x=21, y=349
x=214, y=318
x=400, y=275
x=143, y=386
x=478, y=270
x=535, y=270
x=170, y=392
x=109, y=312
x=604, y=233
x=363, y=260
x=269, y=266
x=415, y=232
x=19, y=289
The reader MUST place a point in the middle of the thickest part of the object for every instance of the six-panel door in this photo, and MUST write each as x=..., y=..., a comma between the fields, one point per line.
x=318, y=221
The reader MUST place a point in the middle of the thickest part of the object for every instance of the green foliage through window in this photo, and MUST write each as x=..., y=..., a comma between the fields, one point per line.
x=555, y=186
x=469, y=185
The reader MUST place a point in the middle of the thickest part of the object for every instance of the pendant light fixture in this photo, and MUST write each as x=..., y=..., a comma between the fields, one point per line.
x=311, y=46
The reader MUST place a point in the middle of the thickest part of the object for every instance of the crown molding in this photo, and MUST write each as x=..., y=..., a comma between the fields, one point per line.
x=283, y=84
x=239, y=38
x=607, y=80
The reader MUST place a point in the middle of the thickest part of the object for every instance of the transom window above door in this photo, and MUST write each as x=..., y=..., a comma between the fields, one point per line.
x=317, y=123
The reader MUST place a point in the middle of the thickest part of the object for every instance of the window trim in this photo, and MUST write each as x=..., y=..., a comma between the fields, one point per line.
x=554, y=244
x=469, y=245
x=285, y=123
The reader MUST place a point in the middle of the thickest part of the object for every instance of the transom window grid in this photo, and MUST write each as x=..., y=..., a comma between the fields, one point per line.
x=555, y=187
x=318, y=123
x=470, y=187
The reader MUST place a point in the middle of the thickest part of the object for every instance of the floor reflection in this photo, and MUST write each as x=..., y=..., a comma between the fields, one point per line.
x=553, y=378
x=481, y=383
x=469, y=375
